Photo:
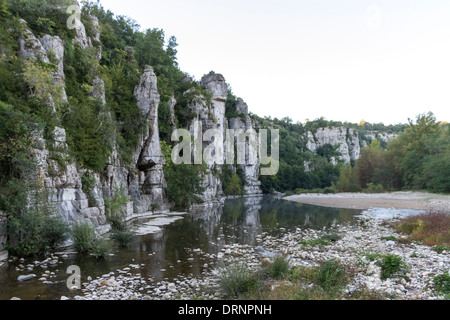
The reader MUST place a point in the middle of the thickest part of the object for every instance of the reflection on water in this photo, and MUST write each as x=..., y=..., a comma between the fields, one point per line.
x=171, y=252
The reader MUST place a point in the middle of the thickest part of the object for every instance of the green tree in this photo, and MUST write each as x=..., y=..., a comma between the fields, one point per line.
x=348, y=180
x=233, y=187
x=180, y=193
x=4, y=11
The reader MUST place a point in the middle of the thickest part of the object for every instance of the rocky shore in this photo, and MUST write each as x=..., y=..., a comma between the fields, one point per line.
x=352, y=245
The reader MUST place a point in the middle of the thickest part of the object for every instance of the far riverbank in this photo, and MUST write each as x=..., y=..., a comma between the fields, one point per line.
x=363, y=201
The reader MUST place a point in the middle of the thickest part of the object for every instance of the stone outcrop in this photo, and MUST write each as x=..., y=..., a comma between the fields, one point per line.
x=46, y=49
x=30, y=47
x=381, y=136
x=349, y=141
x=145, y=184
x=216, y=85
x=212, y=116
x=150, y=160
x=64, y=179
x=346, y=139
x=54, y=48
x=251, y=170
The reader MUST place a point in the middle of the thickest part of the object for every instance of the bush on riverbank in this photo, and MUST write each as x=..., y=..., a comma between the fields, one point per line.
x=390, y=264
x=442, y=283
x=237, y=280
x=86, y=240
x=430, y=229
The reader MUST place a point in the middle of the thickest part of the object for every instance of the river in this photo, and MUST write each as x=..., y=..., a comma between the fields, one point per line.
x=165, y=254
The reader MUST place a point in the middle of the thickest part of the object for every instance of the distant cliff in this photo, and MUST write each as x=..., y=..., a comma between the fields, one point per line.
x=348, y=141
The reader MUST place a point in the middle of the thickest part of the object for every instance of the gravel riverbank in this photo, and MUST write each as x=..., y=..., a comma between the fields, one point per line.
x=363, y=201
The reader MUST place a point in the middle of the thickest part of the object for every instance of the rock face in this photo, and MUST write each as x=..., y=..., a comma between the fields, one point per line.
x=349, y=141
x=216, y=85
x=46, y=49
x=151, y=160
x=54, y=48
x=65, y=181
x=251, y=170
x=30, y=47
x=212, y=116
x=381, y=136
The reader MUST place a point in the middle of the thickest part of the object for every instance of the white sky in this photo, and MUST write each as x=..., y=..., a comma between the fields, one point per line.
x=347, y=60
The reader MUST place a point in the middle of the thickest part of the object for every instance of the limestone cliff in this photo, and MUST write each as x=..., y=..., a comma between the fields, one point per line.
x=348, y=141
x=212, y=116
x=66, y=182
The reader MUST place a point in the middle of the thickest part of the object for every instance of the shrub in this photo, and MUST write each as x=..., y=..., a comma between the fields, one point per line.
x=114, y=207
x=390, y=238
x=86, y=240
x=442, y=283
x=331, y=275
x=237, y=279
x=101, y=248
x=84, y=237
x=440, y=249
x=278, y=268
x=390, y=264
x=87, y=184
x=55, y=231
x=316, y=242
x=32, y=232
x=183, y=195
x=123, y=237
x=333, y=237
x=234, y=186
x=329, y=190
x=374, y=188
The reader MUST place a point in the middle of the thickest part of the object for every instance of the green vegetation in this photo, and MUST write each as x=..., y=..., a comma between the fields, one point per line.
x=232, y=182
x=116, y=215
x=316, y=242
x=294, y=157
x=331, y=275
x=83, y=236
x=31, y=106
x=237, y=280
x=430, y=229
x=180, y=193
x=441, y=249
x=390, y=264
x=278, y=269
x=442, y=283
x=418, y=159
x=32, y=228
x=278, y=281
x=44, y=16
x=86, y=240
